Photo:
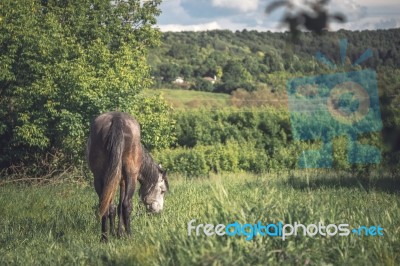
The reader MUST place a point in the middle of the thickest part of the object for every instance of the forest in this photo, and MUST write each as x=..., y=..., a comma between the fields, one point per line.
x=249, y=59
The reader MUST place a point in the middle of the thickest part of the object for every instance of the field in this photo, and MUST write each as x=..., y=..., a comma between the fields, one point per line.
x=233, y=158
x=192, y=99
x=55, y=224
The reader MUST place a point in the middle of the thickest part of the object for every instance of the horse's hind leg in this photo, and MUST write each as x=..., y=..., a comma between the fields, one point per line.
x=130, y=175
x=120, y=207
x=109, y=215
x=112, y=213
x=98, y=184
x=104, y=237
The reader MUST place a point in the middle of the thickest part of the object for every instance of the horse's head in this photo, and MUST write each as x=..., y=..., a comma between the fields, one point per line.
x=153, y=196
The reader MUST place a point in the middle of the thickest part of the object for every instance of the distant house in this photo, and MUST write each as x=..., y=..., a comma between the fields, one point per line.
x=210, y=79
x=179, y=80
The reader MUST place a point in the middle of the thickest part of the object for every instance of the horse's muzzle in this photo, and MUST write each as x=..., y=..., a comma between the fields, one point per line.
x=154, y=208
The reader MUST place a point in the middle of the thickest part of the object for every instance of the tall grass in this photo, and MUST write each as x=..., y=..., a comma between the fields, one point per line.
x=56, y=223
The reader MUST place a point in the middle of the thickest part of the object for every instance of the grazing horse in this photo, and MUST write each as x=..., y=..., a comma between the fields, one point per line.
x=117, y=157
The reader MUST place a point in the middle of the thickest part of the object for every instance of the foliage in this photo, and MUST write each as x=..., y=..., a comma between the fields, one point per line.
x=156, y=124
x=168, y=72
x=249, y=57
x=63, y=63
x=268, y=128
x=203, y=85
x=230, y=140
x=202, y=160
x=257, y=140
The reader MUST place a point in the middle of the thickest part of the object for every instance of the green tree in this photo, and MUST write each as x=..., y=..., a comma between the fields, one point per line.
x=235, y=76
x=235, y=72
x=169, y=72
x=62, y=63
x=203, y=85
x=274, y=61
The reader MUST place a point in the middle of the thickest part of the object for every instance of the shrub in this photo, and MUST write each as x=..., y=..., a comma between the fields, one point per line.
x=202, y=85
x=201, y=160
x=63, y=64
x=253, y=140
x=267, y=128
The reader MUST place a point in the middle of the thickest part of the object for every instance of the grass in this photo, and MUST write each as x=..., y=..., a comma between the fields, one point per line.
x=187, y=99
x=55, y=224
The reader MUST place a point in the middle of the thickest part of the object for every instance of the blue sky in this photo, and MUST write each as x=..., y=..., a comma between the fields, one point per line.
x=178, y=15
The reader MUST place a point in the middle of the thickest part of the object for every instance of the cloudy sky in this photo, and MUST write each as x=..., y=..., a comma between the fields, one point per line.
x=189, y=15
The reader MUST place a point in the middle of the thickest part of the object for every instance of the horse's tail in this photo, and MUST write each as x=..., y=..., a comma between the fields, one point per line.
x=114, y=147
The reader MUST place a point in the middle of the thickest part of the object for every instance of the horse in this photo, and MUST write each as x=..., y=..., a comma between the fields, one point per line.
x=116, y=157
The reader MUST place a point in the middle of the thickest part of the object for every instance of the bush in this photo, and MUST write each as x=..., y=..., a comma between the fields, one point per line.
x=267, y=128
x=202, y=85
x=64, y=63
x=254, y=140
x=201, y=160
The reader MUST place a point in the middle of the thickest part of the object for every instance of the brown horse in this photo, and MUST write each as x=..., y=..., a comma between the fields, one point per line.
x=117, y=157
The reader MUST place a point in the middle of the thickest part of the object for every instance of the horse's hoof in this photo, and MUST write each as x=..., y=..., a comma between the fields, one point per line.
x=104, y=239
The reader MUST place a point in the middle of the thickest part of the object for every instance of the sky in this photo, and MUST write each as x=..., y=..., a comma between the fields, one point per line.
x=199, y=15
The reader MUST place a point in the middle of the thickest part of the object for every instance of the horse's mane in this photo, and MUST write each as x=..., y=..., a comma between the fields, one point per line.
x=149, y=171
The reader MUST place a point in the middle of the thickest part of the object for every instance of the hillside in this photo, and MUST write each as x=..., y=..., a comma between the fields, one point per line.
x=246, y=59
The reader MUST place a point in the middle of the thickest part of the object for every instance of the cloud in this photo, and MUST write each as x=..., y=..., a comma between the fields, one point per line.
x=195, y=27
x=173, y=6
x=204, y=9
x=388, y=23
x=350, y=8
x=197, y=15
x=377, y=3
x=243, y=6
x=222, y=24
x=368, y=14
x=369, y=23
x=173, y=12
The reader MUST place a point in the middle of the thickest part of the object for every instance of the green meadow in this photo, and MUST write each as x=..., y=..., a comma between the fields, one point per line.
x=55, y=224
x=188, y=99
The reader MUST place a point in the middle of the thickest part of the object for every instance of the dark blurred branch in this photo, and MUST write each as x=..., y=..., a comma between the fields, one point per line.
x=316, y=20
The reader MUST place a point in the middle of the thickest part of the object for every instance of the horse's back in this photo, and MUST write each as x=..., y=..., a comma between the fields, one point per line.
x=101, y=131
x=101, y=125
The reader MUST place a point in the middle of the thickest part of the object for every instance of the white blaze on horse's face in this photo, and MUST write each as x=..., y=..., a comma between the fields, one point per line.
x=155, y=200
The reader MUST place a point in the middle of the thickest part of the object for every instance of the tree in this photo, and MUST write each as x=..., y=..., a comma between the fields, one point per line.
x=63, y=63
x=203, y=85
x=235, y=76
x=235, y=72
x=169, y=72
x=274, y=61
